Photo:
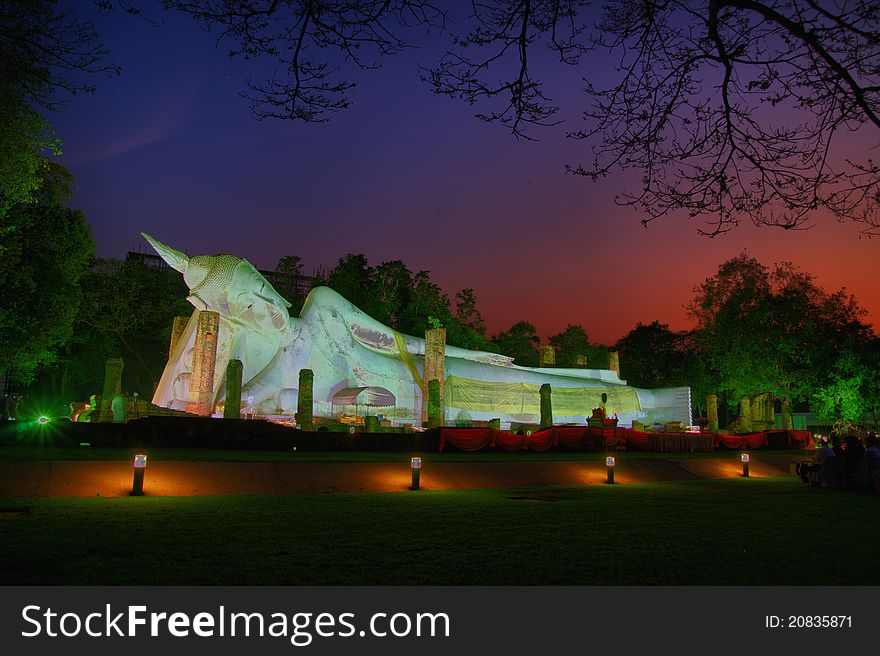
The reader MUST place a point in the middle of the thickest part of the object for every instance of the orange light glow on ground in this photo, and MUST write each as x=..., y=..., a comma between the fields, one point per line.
x=22, y=479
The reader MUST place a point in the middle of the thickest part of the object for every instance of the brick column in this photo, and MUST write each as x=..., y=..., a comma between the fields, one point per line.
x=232, y=408
x=176, y=331
x=112, y=387
x=201, y=389
x=614, y=362
x=435, y=368
x=547, y=356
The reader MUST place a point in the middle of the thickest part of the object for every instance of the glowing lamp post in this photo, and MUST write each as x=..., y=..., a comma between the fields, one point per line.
x=416, y=465
x=43, y=420
x=745, y=461
x=609, y=466
x=137, y=487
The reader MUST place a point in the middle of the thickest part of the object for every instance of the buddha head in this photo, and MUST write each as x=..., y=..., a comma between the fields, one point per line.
x=230, y=286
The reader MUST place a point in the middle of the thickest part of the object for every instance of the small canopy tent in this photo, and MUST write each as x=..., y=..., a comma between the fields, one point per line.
x=376, y=397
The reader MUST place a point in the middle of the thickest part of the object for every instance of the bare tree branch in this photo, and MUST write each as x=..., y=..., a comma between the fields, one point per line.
x=310, y=40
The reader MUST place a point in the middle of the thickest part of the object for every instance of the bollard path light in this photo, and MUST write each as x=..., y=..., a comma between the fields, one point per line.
x=745, y=461
x=416, y=465
x=137, y=486
x=609, y=464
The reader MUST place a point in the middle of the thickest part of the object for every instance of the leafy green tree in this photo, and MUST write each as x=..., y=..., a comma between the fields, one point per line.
x=652, y=356
x=569, y=344
x=521, y=342
x=46, y=248
x=391, y=286
x=352, y=277
x=841, y=397
x=467, y=329
x=426, y=299
x=44, y=49
x=772, y=330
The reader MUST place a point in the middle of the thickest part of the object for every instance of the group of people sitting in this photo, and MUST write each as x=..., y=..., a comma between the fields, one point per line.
x=844, y=463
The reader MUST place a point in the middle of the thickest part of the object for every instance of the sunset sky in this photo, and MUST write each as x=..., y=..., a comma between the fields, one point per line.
x=169, y=148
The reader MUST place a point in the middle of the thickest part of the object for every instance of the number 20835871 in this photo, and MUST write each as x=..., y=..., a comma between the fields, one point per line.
x=808, y=622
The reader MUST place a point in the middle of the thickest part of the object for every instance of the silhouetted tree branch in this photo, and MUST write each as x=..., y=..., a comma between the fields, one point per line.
x=306, y=38
x=730, y=109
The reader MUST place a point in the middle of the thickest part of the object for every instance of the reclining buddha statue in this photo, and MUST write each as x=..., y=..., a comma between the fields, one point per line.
x=358, y=360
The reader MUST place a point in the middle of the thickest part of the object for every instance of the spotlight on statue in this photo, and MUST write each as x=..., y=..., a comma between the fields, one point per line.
x=140, y=465
x=609, y=466
x=745, y=461
x=416, y=465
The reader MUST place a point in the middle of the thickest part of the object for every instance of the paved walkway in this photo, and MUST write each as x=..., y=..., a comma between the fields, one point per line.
x=26, y=478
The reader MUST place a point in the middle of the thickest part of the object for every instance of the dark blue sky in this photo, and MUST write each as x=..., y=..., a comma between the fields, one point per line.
x=169, y=148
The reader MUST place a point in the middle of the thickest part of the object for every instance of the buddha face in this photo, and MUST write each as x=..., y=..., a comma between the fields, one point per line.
x=251, y=301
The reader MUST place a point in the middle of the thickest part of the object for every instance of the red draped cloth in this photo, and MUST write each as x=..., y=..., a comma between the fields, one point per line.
x=576, y=437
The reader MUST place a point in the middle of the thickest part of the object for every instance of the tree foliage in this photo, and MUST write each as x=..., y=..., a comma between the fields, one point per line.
x=467, y=328
x=764, y=329
x=520, y=342
x=653, y=356
x=569, y=344
x=45, y=250
x=44, y=49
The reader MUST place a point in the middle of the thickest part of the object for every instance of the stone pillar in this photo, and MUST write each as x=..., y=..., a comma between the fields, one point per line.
x=546, y=406
x=304, y=419
x=547, y=356
x=201, y=387
x=614, y=362
x=435, y=366
x=580, y=361
x=787, y=421
x=712, y=412
x=232, y=409
x=435, y=405
x=371, y=424
x=112, y=387
x=745, y=415
x=176, y=331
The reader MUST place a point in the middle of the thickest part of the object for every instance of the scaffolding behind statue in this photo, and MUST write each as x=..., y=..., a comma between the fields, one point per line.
x=357, y=360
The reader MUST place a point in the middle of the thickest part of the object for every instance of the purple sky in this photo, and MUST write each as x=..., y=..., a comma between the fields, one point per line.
x=169, y=148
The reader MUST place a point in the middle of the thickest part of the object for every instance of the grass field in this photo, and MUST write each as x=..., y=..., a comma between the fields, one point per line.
x=47, y=452
x=738, y=531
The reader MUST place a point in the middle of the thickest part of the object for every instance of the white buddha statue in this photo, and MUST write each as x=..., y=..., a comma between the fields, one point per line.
x=357, y=360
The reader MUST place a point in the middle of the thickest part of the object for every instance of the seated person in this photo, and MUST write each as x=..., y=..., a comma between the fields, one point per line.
x=808, y=470
x=869, y=466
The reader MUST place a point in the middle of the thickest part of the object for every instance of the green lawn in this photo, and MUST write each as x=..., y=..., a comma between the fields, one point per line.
x=738, y=531
x=48, y=452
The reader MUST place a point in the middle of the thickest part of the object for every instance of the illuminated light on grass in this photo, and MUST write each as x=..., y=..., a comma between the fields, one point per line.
x=609, y=465
x=416, y=466
x=43, y=419
x=745, y=461
x=140, y=465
